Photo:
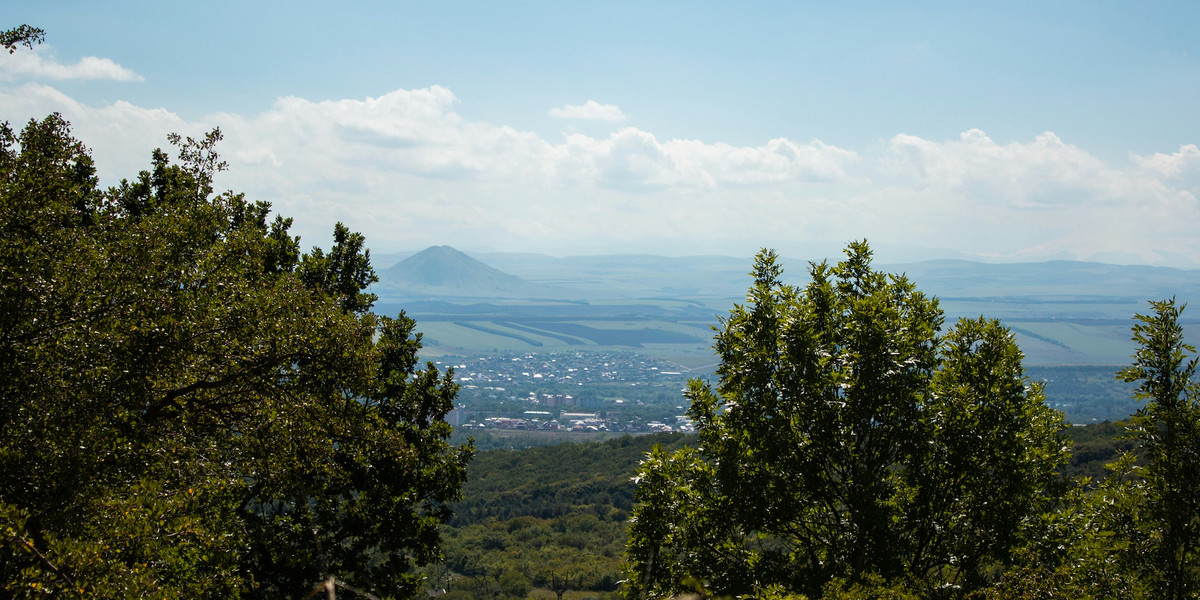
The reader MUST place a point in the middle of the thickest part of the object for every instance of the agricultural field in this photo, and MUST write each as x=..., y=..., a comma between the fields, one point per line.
x=1061, y=338
x=1071, y=320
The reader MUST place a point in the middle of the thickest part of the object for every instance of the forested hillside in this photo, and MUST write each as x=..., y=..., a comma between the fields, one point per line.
x=540, y=517
x=547, y=517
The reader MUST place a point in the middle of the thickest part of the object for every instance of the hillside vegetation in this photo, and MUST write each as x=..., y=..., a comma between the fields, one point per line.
x=545, y=517
x=535, y=514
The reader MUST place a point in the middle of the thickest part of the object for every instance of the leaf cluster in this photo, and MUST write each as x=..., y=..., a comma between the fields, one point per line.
x=22, y=35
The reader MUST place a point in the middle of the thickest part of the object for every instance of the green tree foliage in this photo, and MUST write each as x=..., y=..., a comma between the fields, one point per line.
x=555, y=515
x=1076, y=549
x=23, y=35
x=554, y=481
x=1136, y=534
x=1166, y=534
x=579, y=551
x=191, y=408
x=848, y=440
x=1094, y=447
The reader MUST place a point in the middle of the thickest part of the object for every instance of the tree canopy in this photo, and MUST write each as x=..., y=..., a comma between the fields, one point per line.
x=848, y=442
x=193, y=407
x=1168, y=429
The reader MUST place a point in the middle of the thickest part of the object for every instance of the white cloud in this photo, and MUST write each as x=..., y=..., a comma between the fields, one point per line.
x=634, y=160
x=405, y=168
x=1043, y=174
x=589, y=111
x=408, y=170
x=1177, y=164
x=417, y=133
x=41, y=63
x=1044, y=198
x=121, y=135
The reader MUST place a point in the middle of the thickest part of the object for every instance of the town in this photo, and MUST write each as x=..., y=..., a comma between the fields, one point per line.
x=570, y=391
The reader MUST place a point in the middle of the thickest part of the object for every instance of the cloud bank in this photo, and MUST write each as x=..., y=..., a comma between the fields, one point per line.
x=41, y=63
x=409, y=170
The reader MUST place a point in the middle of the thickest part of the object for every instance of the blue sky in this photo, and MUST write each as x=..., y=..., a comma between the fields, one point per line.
x=997, y=131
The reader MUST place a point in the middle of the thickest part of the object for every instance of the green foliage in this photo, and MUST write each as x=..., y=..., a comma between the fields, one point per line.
x=1094, y=447
x=23, y=35
x=345, y=272
x=1079, y=548
x=191, y=408
x=1167, y=540
x=1137, y=535
x=559, y=480
x=848, y=441
x=579, y=551
x=554, y=515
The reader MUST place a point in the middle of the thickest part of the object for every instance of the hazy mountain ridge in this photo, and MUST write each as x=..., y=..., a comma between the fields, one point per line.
x=1062, y=312
x=441, y=272
x=952, y=278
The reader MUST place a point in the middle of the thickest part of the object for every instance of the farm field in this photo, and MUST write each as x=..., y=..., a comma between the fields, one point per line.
x=1062, y=313
x=1060, y=336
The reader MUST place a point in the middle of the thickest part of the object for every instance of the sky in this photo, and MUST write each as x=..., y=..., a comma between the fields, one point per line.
x=994, y=131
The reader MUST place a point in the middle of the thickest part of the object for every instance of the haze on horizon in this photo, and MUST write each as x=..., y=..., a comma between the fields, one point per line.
x=1014, y=132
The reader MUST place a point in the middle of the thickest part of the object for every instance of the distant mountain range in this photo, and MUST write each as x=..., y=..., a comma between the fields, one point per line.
x=1062, y=312
x=960, y=278
x=443, y=273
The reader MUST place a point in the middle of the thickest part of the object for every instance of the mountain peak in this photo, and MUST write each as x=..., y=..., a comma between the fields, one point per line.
x=445, y=271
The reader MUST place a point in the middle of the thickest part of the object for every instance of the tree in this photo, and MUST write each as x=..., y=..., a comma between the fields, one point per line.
x=1137, y=533
x=846, y=441
x=190, y=406
x=557, y=581
x=1164, y=535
